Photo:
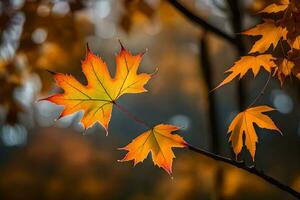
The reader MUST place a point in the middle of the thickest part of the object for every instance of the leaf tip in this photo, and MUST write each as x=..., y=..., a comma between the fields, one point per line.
x=42, y=99
x=168, y=169
x=217, y=87
x=106, y=131
x=281, y=133
x=88, y=48
x=155, y=72
x=84, y=131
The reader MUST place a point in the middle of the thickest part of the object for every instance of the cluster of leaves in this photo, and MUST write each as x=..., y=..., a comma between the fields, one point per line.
x=98, y=97
x=101, y=93
x=277, y=36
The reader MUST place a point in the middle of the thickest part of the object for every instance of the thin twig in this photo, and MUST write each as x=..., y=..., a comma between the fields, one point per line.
x=132, y=116
x=262, y=92
x=197, y=20
x=251, y=170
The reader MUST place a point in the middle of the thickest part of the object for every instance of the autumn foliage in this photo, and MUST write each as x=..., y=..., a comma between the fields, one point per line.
x=160, y=142
x=243, y=124
x=102, y=91
x=276, y=37
x=277, y=34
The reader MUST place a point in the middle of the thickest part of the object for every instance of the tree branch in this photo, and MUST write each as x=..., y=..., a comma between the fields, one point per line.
x=237, y=41
x=207, y=70
x=234, y=163
x=251, y=170
x=201, y=22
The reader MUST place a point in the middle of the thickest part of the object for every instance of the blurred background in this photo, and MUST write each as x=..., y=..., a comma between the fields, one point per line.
x=42, y=158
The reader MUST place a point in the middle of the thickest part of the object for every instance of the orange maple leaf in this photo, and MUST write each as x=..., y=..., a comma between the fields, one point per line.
x=96, y=98
x=159, y=141
x=246, y=63
x=271, y=34
x=276, y=7
x=243, y=124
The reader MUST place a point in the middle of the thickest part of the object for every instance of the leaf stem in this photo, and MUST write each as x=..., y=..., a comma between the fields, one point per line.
x=262, y=92
x=282, y=49
x=130, y=115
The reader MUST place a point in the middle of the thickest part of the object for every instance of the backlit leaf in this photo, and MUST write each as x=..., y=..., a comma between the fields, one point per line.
x=276, y=7
x=96, y=98
x=271, y=34
x=244, y=122
x=159, y=141
x=246, y=63
x=284, y=69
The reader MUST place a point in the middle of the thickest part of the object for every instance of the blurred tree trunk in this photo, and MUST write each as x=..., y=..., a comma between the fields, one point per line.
x=235, y=15
x=212, y=113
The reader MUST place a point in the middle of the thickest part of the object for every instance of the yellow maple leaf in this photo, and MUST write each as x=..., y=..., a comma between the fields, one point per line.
x=243, y=124
x=276, y=7
x=159, y=141
x=284, y=69
x=246, y=63
x=96, y=98
x=271, y=34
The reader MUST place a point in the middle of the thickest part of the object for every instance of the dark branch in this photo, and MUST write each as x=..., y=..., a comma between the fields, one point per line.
x=207, y=69
x=234, y=163
x=197, y=20
x=237, y=41
x=251, y=170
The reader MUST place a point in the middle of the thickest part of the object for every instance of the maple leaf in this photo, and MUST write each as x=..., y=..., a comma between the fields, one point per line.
x=288, y=66
x=159, y=141
x=246, y=63
x=96, y=98
x=243, y=124
x=284, y=69
x=276, y=7
x=271, y=34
